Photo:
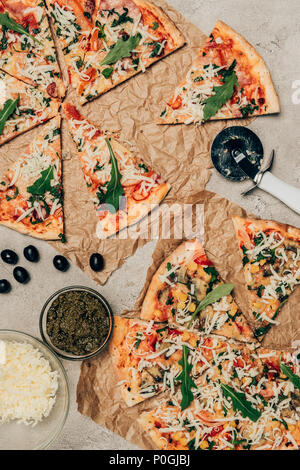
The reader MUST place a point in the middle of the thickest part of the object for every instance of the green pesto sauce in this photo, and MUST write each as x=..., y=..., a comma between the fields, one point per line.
x=77, y=322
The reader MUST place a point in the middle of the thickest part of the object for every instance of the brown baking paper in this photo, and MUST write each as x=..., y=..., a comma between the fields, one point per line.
x=98, y=384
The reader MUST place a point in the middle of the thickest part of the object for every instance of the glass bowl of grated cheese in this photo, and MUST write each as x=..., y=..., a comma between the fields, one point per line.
x=34, y=393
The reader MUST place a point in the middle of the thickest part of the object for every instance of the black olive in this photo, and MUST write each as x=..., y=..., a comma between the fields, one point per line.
x=4, y=286
x=9, y=257
x=96, y=262
x=31, y=254
x=21, y=275
x=61, y=263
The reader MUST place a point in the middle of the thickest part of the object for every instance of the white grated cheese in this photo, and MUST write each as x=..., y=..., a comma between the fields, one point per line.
x=28, y=385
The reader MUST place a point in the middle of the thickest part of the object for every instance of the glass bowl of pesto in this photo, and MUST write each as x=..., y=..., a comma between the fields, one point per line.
x=76, y=322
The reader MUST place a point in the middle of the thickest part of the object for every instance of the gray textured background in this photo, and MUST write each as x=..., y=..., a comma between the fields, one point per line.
x=273, y=27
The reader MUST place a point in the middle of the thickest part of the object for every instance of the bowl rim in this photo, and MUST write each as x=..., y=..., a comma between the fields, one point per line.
x=63, y=354
x=66, y=381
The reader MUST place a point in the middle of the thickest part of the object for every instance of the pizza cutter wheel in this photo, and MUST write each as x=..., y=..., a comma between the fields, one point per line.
x=237, y=154
x=235, y=138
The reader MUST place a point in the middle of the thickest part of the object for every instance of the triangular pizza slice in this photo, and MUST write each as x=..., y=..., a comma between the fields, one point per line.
x=106, y=42
x=228, y=79
x=27, y=47
x=31, y=191
x=22, y=107
x=179, y=285
x=271, y=260
x=122, y=187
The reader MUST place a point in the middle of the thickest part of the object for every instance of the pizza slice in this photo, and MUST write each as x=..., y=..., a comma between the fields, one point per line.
x=31, y=191
x=181, y=283
x=271, y=260
x=238, y=404
x=27, y=50
x=228, y=79
x=123, y=188
x=22, y=107
x=108, y=41
x=147, y=357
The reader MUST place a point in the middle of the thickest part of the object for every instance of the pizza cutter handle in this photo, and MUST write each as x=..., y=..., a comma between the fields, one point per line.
x=288, y=194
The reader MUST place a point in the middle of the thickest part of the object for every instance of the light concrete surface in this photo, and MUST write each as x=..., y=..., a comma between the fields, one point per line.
x=273, y=27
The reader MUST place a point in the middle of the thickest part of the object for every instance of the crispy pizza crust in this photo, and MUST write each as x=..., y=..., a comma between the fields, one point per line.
x=287, y=231
x=175, y=34
x=147, y=423
x=119, y=358
x=48, y=235
x=139, y=211
x=149, y=311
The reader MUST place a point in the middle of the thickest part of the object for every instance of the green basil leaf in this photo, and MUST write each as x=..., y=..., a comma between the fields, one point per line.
x=187, y=382
x=240, y=403
x=123, y=18
x=6, y=20
x=121, y=49
x=295, y=379
x=223, y=93
x=114, y=188
x=213, y=296
x=107, y=72
x=7, y=110
x=43, y=184
x=62, y=237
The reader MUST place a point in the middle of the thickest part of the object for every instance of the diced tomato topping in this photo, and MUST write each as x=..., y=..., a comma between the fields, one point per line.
x=272, y=365
x=227, y=436
x=203, y=261
x=137, y=195
x=152, y=340
x=94, y=41
x=173, y=331
x=176, y=104
x=31, y=21
x=215, y=431
x=72, y=112
x=92, y=73
x=238, y=363
x=157, y=424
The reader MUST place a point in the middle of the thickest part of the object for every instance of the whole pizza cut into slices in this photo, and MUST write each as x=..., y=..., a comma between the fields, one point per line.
x=22, y=107
x=271, y=260
x=184, y=280
x=228, y=79
x=105, y=42
x=247, y=400
x=27, y=50
x=31, y=191
x=147, y=357
x=123, y=188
